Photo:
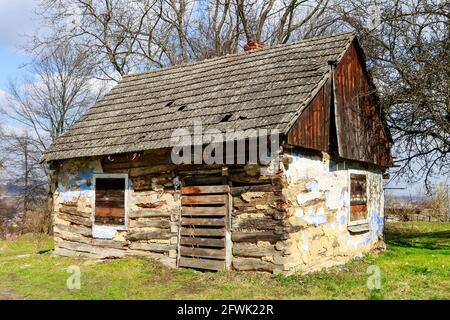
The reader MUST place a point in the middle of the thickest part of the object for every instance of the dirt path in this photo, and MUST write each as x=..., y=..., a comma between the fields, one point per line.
x=9, y=294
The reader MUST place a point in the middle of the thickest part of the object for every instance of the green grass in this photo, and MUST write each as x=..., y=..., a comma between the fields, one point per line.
x=415, y=266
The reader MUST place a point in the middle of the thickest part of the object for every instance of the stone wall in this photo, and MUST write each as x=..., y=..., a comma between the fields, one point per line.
x=258, y=221
x=318, y=213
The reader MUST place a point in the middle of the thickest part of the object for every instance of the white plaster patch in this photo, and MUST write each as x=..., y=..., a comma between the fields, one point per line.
x=316, y=219
x=71, y=195
x=153, y=197
x=303, y=198
x=103, y=232
x=299, y=213
x=334, y=200
x=303, y=168
x=305, y=245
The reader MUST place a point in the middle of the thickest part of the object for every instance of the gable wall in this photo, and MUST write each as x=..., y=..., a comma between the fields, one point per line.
x=312, y=128
x=360, y=131
x=343, y=117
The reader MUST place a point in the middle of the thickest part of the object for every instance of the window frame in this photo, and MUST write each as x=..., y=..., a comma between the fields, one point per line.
x=362, y=221
x=94, y=185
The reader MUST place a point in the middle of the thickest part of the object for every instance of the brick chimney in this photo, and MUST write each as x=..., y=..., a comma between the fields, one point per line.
x=253, y=44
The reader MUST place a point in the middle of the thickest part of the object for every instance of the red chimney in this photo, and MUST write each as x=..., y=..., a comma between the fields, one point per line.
x=253, y=44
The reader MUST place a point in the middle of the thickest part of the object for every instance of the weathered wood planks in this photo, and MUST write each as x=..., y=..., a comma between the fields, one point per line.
x=203, y=225
x=212, y=222
x=204, y=199
x=206, y=242
x=204, y=211
x=204, y=253
x=205, y=189
x=198, y=232
x=205, y=264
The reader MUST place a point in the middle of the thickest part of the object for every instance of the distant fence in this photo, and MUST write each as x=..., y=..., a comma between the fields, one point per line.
x=406, y=214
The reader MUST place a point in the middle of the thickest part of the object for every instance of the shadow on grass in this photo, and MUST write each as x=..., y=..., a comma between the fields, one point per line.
x=439, y=240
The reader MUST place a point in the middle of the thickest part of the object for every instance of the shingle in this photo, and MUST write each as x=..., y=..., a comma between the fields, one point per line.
x=265, y=88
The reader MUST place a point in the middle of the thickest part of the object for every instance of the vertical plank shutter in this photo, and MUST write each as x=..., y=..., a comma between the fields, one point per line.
x=110, y=201
x=203, y=226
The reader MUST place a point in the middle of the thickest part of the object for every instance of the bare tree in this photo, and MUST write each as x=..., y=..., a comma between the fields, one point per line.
x=217, y=30
x=275, y=22
x=407, y=52
x=117, y=33
x=408, y=55
x=57, y=92
x=131, y=35
x=21, y=161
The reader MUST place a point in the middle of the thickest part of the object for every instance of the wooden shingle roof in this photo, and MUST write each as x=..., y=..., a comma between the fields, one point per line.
x=265, y=88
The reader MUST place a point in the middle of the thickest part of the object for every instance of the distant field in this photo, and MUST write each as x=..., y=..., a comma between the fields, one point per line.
x=415, y=266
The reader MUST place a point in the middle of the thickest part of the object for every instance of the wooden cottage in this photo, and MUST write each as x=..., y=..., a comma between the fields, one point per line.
x=318, y=201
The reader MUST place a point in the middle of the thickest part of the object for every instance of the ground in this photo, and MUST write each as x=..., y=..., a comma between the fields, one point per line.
x=416, y=265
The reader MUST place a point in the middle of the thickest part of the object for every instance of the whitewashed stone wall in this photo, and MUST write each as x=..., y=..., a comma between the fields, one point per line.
x=295, y=219
x=317, y=192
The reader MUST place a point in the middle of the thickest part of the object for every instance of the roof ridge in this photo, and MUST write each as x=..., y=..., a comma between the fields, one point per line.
x=319, y=85
x=267, y=88
x=229, y=55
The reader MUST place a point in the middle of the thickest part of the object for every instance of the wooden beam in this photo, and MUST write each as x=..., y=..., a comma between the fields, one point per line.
x=148, y=235
x=74, y=211
x=237, y=191
x=243, y=236
x=156, y=223
x=85, y=231
x=155, y=247
x=201, y=263
x=195, y=232
x=205, y=189
x=75, y=219
x=203, y=253
x=203, y=211
x=204, y=199
x=206, y=242
x=203, y=222
x=252, y=264
x=150, y=213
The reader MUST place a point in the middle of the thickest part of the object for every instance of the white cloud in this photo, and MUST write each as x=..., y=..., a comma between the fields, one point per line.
x=2, y=96
x=7, y=123
x=4, y=106
x=3, y=102
x=16, y=18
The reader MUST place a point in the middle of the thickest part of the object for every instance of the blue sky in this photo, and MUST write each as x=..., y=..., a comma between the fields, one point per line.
x=11, y=62
x=16, y=19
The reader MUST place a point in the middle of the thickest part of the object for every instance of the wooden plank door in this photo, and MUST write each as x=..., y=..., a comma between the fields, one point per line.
x=204, y=224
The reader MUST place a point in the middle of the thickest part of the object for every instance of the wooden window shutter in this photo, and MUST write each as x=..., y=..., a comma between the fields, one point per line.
x=110, y=201
x=358, y=197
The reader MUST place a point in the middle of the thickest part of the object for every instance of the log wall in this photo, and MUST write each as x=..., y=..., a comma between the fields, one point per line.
x=153, y=211
x=292, y=219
